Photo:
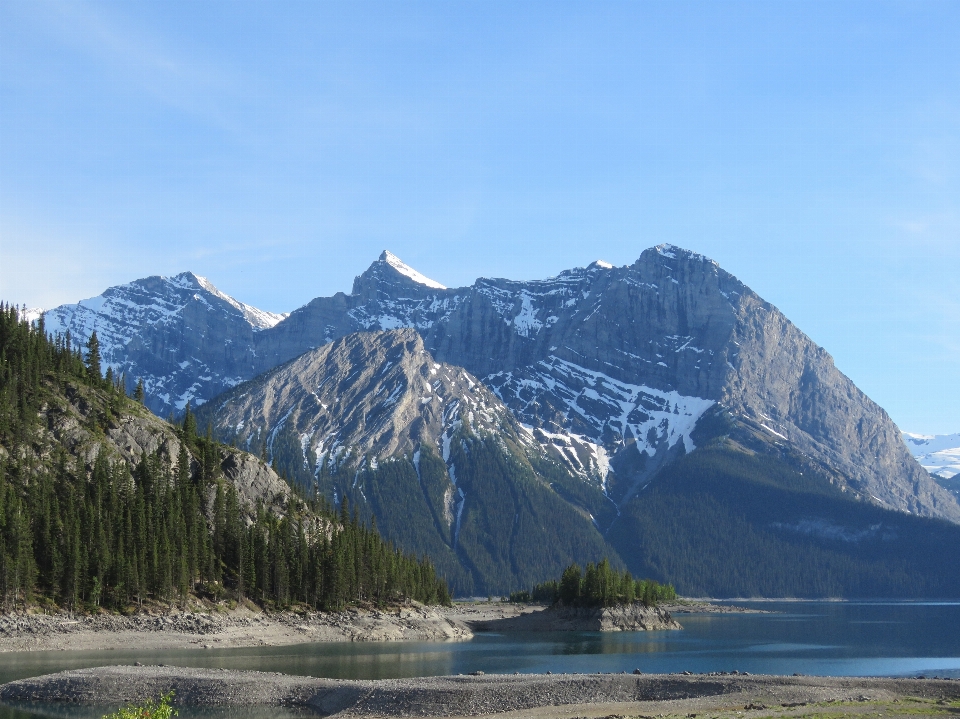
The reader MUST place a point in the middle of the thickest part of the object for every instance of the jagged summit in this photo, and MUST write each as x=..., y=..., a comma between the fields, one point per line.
x=378, y=394
x=407, y=271
x=192, y=327
x=673, y=252
x=388, y=276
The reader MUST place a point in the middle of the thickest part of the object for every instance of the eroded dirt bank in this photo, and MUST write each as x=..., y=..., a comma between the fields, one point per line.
x=565, y=695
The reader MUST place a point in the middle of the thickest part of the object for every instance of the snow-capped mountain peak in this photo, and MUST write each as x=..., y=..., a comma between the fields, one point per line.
x=197, y=325
x=672, y=252
x=31, y=314
x=406, y=270
x=258, y=319
x=939, y=454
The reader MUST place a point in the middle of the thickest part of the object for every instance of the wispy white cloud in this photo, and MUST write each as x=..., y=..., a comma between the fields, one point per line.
x=124, y=51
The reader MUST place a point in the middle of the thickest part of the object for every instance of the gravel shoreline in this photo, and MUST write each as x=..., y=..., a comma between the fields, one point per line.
x=468, y=696
x=175, y=629
x=207, y=630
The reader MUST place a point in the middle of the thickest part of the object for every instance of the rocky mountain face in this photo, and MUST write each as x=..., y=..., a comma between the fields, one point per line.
x=79, y=424
x=375, y=394
x=612, y=368
x=615, y=366
x=422, y=446
x=185, y=338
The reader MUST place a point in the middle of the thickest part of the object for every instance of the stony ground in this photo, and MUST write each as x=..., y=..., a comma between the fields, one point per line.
x=163, y=628
x=565, y=696
x=185, y=629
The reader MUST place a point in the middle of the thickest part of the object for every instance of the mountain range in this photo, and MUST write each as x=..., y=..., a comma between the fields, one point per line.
x=508, y=427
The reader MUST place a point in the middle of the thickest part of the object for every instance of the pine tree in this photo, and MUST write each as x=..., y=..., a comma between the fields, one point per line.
x=93, y=356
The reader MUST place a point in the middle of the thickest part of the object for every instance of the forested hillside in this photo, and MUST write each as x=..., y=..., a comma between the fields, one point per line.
x=104, y=505
x=725, y=522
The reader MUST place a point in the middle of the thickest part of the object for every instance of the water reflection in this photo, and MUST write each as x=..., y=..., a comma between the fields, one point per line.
x=830, y=638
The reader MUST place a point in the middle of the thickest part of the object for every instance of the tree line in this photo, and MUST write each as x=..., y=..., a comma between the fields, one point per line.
x=114, y=535
x=600, y=585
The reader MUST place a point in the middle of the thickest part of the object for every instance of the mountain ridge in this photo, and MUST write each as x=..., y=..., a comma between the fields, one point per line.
x=613, y=366
x=423, y=448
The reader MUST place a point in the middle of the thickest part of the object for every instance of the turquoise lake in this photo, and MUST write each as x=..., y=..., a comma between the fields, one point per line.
x=827, y=638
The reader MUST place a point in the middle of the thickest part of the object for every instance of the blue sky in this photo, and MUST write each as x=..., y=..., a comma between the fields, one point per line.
x=812, y=148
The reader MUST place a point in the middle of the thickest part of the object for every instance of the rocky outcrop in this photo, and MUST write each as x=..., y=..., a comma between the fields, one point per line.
x=81, y=422
x=621, y=618
x=167, y=629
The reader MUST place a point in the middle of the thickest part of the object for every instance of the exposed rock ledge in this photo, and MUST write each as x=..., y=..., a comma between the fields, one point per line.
x=464, y=696
x=624, y=618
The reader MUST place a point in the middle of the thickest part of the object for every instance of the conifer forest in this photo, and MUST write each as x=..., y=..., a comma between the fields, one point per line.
x=82, y=530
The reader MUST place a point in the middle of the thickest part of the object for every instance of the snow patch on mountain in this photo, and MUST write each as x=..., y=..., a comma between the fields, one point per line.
x=939, y=454
x=31, y=314
x=588, y=409
x=258, y=319
x=526, y=321
x=586, y=458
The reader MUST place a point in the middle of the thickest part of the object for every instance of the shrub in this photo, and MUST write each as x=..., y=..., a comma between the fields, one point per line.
x=150, y=710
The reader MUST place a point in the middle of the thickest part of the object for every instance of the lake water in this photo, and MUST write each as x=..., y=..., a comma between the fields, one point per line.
x=827, y=638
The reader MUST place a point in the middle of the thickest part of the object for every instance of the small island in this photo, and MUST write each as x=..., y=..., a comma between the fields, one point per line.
x=597, y=599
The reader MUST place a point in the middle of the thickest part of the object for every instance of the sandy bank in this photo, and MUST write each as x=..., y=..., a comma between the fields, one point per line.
x=522, y=695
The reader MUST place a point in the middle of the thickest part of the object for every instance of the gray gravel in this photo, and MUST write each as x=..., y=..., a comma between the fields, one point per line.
x=448, y=696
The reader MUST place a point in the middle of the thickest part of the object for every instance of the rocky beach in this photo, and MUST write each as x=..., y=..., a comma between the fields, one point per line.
x=562, y=696
x=184, y=629
x=237, y=628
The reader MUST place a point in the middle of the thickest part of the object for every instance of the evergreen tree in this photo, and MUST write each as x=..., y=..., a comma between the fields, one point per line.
x=93, y=356
x=113, y=536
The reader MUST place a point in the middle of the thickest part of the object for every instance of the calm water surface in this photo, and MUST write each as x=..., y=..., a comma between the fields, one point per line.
x=827, y=638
